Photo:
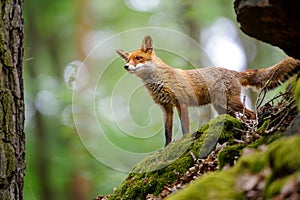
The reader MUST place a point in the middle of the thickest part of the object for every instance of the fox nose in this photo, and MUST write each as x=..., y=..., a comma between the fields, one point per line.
x=126, y=67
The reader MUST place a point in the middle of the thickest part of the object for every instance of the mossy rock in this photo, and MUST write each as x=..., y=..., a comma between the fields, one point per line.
x=273, y=188
x=266, y=139
x=215, y=185
x=281, y=158
x=221, y=129
x=166, y=165
x=297, y=94
x=250, y=164
x=229, y=155
x=284, y=157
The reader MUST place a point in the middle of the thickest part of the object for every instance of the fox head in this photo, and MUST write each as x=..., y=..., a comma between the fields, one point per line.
x=139, y=61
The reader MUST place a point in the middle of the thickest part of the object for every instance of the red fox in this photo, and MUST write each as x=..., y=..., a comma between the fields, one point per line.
x=170, y=87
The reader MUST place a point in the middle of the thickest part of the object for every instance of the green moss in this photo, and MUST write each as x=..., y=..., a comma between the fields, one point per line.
x=6, y=100
x=283, y=156
x=138, y=188
x=164, y=157
x=231, y=130
x=10, y=157
x=229, y=155
x=266, y=139
x=263, y=126
x=7, y=162
x=211, y=186
x=204, y=127
x=274, y=188
x=297, y=94
x=156, y=171
x=224, y=128
x=227, y=127
x=164, y=166
x=281, y=159
x=252, y=163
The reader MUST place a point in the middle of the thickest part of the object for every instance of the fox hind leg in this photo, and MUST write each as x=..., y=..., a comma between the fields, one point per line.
x=232, y=107
x=236, y=106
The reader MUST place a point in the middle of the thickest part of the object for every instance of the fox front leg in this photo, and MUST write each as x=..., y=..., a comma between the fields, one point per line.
x=182, y=110
x=168, y=122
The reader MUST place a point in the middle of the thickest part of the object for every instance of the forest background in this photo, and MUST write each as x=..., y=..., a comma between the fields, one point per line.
x=59, y=38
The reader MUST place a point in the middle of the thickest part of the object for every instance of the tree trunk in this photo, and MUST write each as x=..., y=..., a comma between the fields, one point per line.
x=12, y=137
x=276, y=22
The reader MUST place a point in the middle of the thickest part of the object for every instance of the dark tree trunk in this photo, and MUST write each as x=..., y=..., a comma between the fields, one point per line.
x=12, y=137
x=276, y=22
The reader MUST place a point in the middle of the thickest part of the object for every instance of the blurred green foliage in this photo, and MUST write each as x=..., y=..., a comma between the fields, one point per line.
x=59, y=166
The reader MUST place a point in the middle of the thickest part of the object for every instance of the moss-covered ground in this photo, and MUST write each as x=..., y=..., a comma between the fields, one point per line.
x=279, y=163
x=259, y=168
x=166, y=165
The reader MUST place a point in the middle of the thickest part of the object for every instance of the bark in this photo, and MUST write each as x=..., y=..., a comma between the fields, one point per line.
x=276, y=22
x=12, y=137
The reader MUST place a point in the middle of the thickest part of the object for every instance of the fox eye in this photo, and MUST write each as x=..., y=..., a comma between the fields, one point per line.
x=138, y=58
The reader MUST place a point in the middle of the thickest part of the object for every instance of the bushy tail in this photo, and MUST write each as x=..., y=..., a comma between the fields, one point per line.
x=270, y=77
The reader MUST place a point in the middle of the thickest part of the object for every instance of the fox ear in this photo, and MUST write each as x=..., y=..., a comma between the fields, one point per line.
x=147, y=44
x=123, y=54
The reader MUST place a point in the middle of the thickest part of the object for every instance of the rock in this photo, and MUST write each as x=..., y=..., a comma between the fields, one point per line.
x=273, y=21
x=257, y=175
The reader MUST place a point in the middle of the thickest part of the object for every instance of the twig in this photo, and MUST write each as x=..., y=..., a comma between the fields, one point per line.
x=264, y=88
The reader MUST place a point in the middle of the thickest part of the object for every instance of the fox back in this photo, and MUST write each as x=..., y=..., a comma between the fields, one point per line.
x=170, y=87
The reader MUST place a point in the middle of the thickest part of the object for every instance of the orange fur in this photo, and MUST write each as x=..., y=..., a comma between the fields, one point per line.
x=178, y=88
x=270, y=77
